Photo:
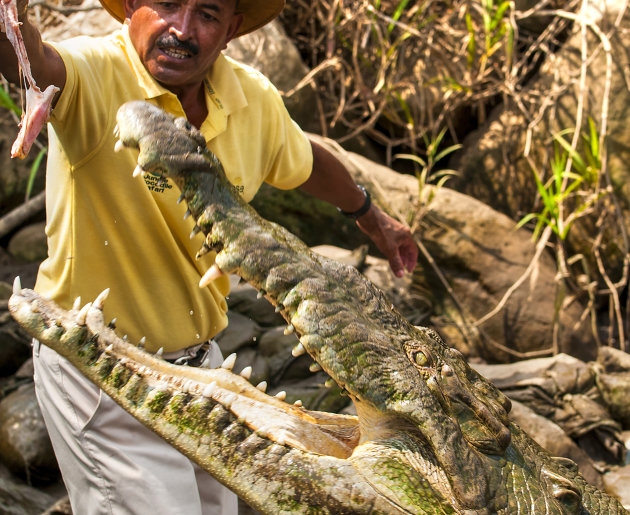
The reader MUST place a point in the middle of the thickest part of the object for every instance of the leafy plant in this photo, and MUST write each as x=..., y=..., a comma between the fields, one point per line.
x=564, y=182
x=7, y=102
x=425, y=167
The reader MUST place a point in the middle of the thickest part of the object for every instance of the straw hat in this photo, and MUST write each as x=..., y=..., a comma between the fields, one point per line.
x=256, y=13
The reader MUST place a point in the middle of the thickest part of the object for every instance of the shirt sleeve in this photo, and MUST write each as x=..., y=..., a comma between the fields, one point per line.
x=291, y=162
x=83, y=112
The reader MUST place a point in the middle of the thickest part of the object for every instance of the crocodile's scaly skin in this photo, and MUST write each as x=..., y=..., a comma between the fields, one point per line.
x=431, y=436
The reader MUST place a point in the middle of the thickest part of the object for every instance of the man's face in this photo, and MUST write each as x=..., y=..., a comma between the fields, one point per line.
x=179, y=40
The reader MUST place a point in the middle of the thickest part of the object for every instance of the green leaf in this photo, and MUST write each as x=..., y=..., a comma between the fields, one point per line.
x=7, y=102
x=33, y=173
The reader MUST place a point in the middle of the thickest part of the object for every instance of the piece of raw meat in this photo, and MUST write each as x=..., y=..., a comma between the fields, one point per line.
x=38, y=102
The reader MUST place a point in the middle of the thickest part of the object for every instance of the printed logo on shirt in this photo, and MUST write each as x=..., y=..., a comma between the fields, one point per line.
x=157, y=183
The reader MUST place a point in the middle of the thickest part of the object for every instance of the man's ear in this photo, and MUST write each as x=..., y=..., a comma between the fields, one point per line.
x=235, y=24
x=130, y=7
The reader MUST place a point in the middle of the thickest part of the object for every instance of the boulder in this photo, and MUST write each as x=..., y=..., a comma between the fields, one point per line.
x=25, y=447
x=29, y=244
x=21, y=499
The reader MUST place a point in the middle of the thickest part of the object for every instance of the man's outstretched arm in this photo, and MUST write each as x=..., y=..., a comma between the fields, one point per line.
x=330, y=181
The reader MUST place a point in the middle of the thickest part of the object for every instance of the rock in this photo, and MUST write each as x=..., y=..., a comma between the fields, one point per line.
x=61, y=507
x=241, y=331
x=25, y=447
x=355, y=258
x=94, y=22
x=15, y=348
x=21, y=499
x=244, y=299
x=617, y=483
x=613, y=381
x=551, y=436
x=275, y=347
x=29, y=243
x=313, y=394
x=563, y=389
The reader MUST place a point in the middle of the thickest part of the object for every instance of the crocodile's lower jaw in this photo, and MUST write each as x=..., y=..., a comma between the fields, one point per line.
x=215, y=415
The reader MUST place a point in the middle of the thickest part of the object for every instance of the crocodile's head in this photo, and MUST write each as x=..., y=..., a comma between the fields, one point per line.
x=430, y=435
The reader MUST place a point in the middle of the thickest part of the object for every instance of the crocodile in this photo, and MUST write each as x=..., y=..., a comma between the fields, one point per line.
x=431, y=435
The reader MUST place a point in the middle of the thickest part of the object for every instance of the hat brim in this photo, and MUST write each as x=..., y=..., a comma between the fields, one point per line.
x=255, y=13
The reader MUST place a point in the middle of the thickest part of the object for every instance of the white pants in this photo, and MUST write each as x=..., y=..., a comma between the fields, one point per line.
x=110, y=463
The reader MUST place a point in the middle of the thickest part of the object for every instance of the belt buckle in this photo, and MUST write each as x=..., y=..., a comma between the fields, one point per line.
x=195, y=359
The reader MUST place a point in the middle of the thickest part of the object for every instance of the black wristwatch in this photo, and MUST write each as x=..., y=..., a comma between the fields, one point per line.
x=363, y=209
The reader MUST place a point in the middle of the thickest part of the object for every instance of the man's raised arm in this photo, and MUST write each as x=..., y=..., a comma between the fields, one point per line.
x=46, y=64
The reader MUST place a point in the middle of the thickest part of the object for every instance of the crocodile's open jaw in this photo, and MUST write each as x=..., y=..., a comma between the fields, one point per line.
x=431, y=436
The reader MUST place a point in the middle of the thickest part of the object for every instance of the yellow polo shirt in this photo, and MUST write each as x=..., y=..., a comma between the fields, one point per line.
x=107, y=229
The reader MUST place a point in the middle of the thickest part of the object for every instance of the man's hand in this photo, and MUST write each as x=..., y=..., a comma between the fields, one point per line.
x=392, y=238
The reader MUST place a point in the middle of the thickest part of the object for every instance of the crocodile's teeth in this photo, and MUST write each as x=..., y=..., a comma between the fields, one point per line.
x=35, y=306
x=260, y=295
x=77, y=304
x=118, y=146
x=205, y=363
x=280, y=440
x=315, y=367
x=298, y=350
x=228, y=364
x=138, y=170
x=330, y=383
x=109, y=348
x=187, y=214
x=160, y=352
x=281, y=395
x=228, y=400
x=214, y=272
x=187, y=387
x=125, y=337
x=195, y=230
x=116, y=130
x=203, y=250
x=100, y=300
x=246, y=372
x=298, y=403
x=81, y=317
x=262, y=386
x=278, y=309
x=142, y=342
x=289, y=329
x=209, y=390
x=112, y=324
x=181, y=198
x=17, y=285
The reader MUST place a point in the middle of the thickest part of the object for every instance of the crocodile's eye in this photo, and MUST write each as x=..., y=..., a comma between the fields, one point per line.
x=420, y=358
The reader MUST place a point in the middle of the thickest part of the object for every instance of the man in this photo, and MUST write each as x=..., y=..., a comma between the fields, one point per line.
x=109, y=229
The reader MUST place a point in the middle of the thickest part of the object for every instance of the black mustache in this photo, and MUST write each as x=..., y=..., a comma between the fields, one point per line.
x=171, y=41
